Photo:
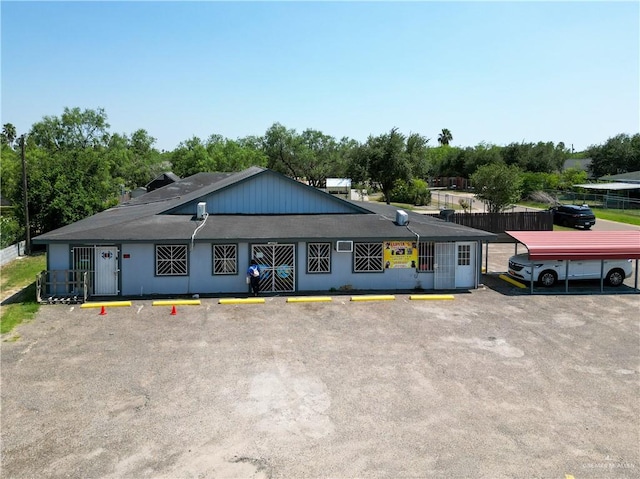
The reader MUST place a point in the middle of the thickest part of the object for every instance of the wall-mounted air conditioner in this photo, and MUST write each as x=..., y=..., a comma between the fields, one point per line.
x=344, y=246
x=402, y=218
x=201, y=210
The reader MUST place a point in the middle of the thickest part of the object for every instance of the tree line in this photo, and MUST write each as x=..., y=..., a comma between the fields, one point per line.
x=77, y=167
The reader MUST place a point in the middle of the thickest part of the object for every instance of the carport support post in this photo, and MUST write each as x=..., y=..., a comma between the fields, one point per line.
x=566, y=276
x=635, y=283
x=601, y=275
x=531, y=280
x=486, y=259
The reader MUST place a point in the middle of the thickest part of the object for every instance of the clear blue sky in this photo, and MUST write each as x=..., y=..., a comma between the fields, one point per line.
x=496, y=72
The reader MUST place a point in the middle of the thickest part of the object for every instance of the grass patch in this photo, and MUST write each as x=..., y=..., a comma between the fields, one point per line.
x=19, y=274
x=24, y=309
x=630, y=217
x=404, y=206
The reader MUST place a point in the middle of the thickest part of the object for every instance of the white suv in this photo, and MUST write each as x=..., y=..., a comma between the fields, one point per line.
x=548, y=272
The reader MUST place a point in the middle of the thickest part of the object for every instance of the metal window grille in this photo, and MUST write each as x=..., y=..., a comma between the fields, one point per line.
x=367, y=257
x=319, y=257
x=225, y=259
x=171, y=260
x=277, y=266
x=83, y=262
x=426, y=253
x=464, y=255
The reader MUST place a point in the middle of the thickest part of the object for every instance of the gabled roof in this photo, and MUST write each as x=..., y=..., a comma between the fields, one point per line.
x=149, y=218
x=165, y=178
x=629, y=177
x=574, y=245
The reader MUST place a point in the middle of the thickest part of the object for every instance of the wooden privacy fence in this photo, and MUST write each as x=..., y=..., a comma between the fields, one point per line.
x=501, y=222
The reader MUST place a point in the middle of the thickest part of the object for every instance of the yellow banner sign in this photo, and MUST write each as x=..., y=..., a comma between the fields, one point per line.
x=400, y=254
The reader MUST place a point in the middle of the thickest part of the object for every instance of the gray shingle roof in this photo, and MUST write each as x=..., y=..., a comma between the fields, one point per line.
x=141, y=220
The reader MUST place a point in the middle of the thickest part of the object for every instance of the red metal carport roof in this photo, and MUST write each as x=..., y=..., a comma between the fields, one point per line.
x=580, y=244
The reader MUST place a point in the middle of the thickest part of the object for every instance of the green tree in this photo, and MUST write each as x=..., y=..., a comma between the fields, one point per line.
x=10, y=170
x=498, y=185
x=8, y=135
x=482, y=154
x=357, y=158
x=69, y=171
x=535, y=182
x=536, y=157
x=191, y=157
x=388, y=161
x=75, y=128
x=570, y=177
x=417, y=155
x=132, y=160
x=445, y=137
x=619, y=154
x=454, y=161
x=64, y=187
x=318, y=157
x=282, y=147
x=439, y=158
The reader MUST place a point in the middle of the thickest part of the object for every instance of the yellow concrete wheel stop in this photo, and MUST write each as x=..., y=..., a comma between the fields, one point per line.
x=241, y=301
x=109, y=304
x=177, y=302
x=431, y=296
x=309, y=299
x=374, y=297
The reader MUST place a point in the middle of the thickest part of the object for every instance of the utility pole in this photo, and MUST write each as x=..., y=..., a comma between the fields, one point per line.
x=27, y=242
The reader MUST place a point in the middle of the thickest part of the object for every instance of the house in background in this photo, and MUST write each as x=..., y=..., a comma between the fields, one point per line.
x=631, y=177
x=198, y=235
x=581, y=164
x=162, y=180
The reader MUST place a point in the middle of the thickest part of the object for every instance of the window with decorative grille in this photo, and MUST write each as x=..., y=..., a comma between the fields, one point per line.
x=426, y=255
x=225, y=259
x=367, y=257
x=319, y=257
x=171, y=260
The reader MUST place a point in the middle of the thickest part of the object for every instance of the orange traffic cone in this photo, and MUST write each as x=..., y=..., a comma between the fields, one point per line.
x=103, y=311
x=173, y=311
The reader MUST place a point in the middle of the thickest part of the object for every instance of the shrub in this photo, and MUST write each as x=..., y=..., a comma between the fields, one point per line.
x=12, y=232
x=415, y=192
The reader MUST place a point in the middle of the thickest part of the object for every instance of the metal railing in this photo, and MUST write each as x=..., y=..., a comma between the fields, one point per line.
x=64, y=286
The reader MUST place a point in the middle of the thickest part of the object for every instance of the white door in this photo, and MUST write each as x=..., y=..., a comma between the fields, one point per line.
x=444, y=266
x=466, y=265
x=106, y=271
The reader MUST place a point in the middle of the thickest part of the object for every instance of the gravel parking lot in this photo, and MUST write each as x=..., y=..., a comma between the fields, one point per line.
x=493, y=384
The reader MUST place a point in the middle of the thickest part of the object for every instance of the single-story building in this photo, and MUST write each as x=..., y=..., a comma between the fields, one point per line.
x=198, y=235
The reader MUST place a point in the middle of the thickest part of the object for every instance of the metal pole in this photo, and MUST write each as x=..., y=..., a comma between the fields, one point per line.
x=27, y=242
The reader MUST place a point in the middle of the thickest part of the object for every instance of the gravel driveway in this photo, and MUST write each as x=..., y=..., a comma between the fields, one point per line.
x=489, y=385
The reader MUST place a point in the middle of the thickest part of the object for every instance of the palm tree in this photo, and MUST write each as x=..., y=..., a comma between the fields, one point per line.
x=445, y=137
x=9, y=133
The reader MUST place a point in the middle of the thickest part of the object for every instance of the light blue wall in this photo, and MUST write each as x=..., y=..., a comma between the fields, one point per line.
x=138, y=278
x=138, y=273
x=269, y=194
x=342, y=275
x=58, y=256
x=58, y=260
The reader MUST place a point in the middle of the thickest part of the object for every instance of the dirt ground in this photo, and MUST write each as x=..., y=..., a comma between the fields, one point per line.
x=493, y=384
